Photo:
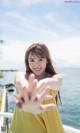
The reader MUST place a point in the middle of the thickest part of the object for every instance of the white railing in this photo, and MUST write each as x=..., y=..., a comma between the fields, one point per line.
x=3, y=105
x=71, y=129
x=4, y=114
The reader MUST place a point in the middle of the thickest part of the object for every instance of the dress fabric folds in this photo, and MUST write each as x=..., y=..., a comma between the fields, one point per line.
x=46, y=122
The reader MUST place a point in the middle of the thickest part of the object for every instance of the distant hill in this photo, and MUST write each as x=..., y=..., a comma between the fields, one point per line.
x=7, y=65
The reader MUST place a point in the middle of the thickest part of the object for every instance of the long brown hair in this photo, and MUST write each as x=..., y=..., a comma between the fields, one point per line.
x=40, y=50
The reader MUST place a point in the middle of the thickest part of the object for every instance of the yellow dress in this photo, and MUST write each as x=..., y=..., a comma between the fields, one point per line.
x=46, y=122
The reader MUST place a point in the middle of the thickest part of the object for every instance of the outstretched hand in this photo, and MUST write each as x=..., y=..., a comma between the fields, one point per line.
x=30, y=96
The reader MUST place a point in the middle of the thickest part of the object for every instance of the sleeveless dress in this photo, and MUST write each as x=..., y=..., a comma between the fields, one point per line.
x=46, y=122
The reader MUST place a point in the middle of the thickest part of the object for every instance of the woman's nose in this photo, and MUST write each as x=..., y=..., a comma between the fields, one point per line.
x=36, y=64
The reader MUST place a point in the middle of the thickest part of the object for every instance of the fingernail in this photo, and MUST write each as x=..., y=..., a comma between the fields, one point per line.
x=22, y=99
x=29, y=96
x=35, y=99
x=19, y=105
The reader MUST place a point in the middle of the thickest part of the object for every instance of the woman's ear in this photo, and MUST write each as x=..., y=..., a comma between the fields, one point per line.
x=46, y=61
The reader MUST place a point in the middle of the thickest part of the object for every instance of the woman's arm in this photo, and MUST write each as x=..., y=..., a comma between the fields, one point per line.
x=54, y=82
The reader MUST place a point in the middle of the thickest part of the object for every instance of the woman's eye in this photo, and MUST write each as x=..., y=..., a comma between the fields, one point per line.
x=31, y=60
x=40, y=59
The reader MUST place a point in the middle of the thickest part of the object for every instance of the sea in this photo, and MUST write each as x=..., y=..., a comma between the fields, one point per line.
x=70, y=95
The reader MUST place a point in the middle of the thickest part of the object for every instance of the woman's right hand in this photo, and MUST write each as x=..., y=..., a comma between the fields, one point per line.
x=30, y=97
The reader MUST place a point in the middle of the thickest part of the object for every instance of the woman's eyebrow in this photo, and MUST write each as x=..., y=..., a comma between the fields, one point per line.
x=31, y=57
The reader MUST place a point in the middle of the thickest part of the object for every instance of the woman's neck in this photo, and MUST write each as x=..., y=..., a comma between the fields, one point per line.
x=42, y=76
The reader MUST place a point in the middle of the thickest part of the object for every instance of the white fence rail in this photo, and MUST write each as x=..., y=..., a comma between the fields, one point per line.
x=3, y=114
x=3, y=106
x=71, y=129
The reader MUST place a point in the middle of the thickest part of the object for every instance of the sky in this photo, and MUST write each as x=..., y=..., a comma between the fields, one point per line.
x=53, y=22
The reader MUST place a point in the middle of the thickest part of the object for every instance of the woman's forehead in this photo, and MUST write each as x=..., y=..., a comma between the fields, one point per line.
x=34, y=55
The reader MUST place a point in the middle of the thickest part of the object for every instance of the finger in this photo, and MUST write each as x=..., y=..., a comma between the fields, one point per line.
x=24, y=95
x=43, y=94
x=47, y=107
x=21, y=86
x=48, y=97
x=18, y=103
x=34, y=89
x=34, y=85
x=30, y=80
x=18, y=98
x=19, y=106
x=41, y=87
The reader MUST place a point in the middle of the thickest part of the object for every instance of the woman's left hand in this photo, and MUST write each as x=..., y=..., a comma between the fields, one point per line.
x=32, y=96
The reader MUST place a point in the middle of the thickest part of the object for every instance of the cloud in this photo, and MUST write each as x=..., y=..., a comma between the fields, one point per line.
x=45, y=24
x=59, y=24
x=14, y=52
x=31, y=2
x=22, y=26
x=67, y=49
x=28, y=2
x=28, y=23
x=45, y=1
x=7, y=3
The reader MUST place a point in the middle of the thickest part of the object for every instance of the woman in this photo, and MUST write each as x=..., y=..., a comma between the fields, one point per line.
x=37, y=93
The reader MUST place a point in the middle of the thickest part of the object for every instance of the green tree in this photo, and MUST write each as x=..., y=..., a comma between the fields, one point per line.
x=1, y=43
x=1, y=75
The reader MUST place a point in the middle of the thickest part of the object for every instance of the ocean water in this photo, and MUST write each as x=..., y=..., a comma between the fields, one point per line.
x=70, y=95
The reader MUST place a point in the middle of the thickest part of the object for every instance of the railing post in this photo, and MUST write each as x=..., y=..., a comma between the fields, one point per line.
x=4, y=121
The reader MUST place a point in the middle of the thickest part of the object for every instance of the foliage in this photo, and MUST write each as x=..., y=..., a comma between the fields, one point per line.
x=0, y=101
x=1, y=41
x=1, y=75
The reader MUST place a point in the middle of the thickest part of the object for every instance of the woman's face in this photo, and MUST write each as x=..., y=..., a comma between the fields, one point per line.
x=37, y=64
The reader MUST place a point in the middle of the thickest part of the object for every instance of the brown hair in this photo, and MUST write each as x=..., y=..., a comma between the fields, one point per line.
x=40, y=50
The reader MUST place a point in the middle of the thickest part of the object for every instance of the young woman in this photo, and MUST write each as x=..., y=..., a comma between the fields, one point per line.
x=37, y=93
